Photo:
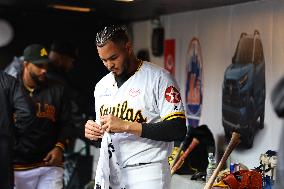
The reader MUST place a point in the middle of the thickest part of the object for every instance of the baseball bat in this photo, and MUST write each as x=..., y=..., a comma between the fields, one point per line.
x=180, y=161
x=182, y=145
x=235, y=139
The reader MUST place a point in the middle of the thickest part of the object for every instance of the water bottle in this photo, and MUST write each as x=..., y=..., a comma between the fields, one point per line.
x=211, y=166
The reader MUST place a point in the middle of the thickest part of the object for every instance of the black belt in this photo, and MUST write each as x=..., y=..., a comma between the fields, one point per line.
x=135, y=165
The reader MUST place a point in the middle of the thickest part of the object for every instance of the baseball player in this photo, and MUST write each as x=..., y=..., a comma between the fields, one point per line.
x=140, y=105
x=38, y=151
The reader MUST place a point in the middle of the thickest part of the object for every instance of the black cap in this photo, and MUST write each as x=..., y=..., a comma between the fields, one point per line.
x=36, y=54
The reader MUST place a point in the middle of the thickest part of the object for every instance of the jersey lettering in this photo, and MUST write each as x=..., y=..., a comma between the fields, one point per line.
x=46, y=111
x=123, y=112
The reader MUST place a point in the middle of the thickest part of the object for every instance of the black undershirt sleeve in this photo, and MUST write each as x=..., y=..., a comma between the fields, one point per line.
x=167, y=130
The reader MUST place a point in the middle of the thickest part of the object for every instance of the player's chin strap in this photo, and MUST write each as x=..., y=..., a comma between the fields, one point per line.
x=108, y=170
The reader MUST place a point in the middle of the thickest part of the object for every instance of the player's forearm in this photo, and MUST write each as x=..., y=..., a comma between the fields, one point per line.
x=134, y=128
x=168, y=130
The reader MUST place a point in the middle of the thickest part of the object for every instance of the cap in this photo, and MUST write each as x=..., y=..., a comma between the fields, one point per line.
x=36, y=54
x=64, y=47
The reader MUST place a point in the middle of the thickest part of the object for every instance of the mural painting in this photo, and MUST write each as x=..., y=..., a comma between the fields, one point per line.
x=194, y=83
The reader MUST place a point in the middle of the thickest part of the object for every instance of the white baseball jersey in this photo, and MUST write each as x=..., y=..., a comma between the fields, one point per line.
x=150, y=95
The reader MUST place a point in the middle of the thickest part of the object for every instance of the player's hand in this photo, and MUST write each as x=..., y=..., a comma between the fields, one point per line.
x=93, y=131
x=54, y=157
x=111, y=123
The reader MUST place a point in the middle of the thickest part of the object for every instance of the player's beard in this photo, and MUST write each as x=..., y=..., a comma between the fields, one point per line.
x=37, y=78
x=125, y=69
x=124, y=75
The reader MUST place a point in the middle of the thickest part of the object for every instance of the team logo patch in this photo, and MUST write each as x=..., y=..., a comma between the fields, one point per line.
x=134, y=92
x=172, y=95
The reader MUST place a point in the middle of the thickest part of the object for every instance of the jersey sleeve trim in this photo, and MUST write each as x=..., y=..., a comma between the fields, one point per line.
x=174, y=115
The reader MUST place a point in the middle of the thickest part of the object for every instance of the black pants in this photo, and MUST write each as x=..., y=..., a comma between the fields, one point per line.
x=6, y=168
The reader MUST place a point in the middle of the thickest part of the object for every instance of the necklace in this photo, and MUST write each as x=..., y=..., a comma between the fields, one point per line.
x=31, y=90
x=139, y=66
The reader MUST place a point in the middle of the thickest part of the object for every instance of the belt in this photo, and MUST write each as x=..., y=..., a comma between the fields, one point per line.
x=135, y=165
